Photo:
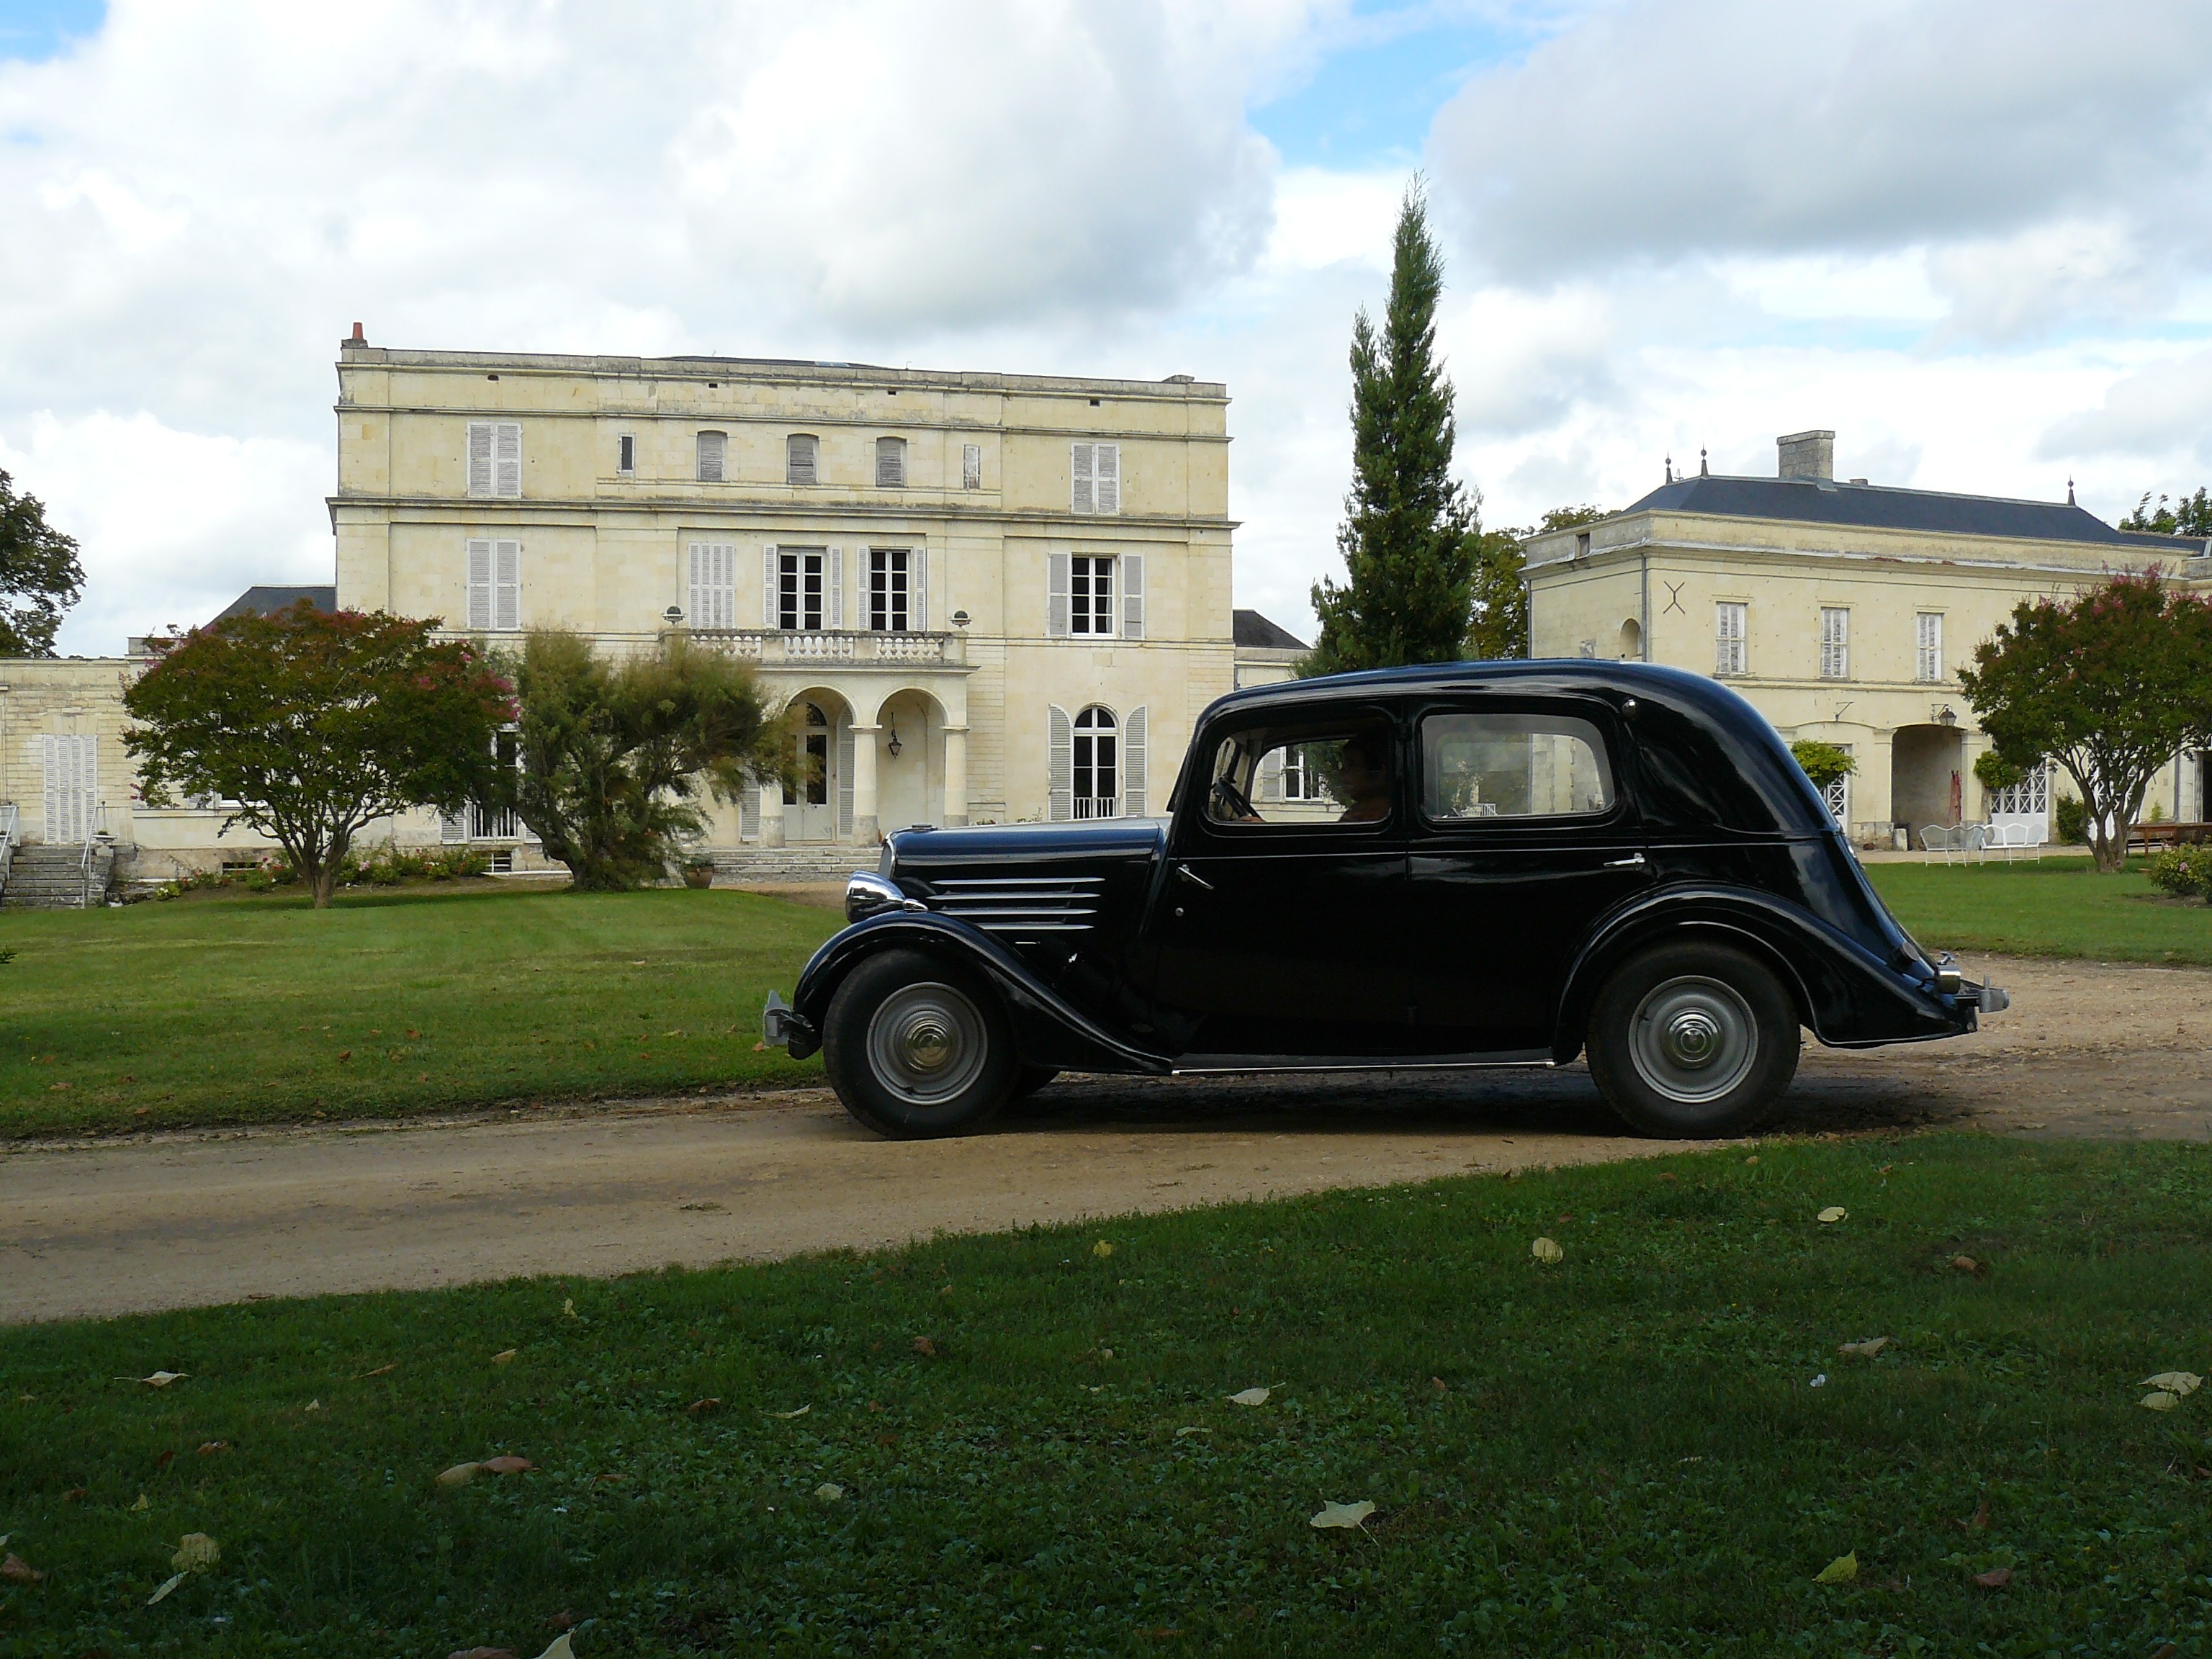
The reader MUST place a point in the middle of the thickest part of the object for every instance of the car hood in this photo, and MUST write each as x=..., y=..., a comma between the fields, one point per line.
x=1022, y=844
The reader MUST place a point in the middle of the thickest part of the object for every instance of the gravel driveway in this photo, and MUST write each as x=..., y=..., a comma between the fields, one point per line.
x=188, y=1219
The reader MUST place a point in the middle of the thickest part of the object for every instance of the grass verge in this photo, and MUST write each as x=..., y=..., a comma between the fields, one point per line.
x=1652, y=1446
x=2058, y=908
x=237, y=1010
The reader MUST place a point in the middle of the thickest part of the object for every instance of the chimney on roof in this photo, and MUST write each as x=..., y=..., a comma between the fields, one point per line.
x=359, y=339
x=1807, y=455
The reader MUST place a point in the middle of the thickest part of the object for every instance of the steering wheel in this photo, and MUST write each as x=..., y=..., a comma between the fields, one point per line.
x=1228, y=794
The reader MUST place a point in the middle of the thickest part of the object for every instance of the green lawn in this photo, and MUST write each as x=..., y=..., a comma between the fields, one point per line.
x=1631, y=1451
x=232, y=1010
x=2058, y=908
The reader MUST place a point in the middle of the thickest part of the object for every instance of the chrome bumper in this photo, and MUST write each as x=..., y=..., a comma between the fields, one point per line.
x=1992, y=999
x=776, y=1021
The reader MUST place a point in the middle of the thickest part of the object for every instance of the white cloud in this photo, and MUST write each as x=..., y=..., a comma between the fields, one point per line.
x=2162, y=412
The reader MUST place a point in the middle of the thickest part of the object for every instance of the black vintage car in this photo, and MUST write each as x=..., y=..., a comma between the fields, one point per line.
x=1463, y=865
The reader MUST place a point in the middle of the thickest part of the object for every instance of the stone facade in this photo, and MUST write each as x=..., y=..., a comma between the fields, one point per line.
x=1843, y=611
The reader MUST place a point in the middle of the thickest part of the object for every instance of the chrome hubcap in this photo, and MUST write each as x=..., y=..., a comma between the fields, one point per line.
x=1694, y=1039
x=925, y=1043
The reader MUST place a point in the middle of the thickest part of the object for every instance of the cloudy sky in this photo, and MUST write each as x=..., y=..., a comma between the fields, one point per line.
x=1973, y=236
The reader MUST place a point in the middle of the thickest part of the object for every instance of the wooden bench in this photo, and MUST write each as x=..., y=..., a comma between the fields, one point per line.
x=2170, y=834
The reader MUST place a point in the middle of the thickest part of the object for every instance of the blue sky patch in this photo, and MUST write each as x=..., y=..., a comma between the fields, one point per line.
x=35, y=30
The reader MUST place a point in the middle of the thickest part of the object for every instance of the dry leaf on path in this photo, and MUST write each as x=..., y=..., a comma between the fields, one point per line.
x=1546, y=1250
x=1868, y=1349
x=787, y=1416
x=1841, y=1571
x=1994, y=1578
x=830, y=1491
x=2161, y=1400
x=2180, y=1382
x=459, y=1475
x=16, y=1571
x=196, y=1553
x=1834, y=1212
x=167, y=1585
x=505, y=1357
x=1343, y=1514
x=1250, y=1396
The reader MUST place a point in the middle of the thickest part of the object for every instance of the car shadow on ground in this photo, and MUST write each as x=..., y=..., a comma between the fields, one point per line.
x=1475, y=1102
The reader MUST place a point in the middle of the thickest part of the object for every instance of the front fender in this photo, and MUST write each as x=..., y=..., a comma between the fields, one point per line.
x=1849, y=997
x=1048, y=1029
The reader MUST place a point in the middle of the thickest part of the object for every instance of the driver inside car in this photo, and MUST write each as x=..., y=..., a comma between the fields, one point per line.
x=1362, y=773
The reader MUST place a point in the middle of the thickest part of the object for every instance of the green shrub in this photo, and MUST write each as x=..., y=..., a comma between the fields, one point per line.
x=2070, y=821
x=1823, y=762
x=2183, y=872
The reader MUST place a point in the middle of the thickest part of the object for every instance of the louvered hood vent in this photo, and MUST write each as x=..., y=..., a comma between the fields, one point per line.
x=1026, y=906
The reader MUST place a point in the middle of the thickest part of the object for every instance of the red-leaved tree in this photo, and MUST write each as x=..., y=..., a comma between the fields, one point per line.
x=2110, y=686
x=312, y=724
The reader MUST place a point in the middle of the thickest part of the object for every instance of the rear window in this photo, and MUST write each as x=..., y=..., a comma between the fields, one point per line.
x=1491, y=766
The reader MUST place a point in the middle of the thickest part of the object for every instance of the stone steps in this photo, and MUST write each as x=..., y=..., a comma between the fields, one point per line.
x=791, y=864
x=54, y=878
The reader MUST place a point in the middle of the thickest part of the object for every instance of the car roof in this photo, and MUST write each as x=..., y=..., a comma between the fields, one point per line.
x=1560, y=673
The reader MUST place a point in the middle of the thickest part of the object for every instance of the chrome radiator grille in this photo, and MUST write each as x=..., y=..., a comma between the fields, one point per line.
x=1027, y=905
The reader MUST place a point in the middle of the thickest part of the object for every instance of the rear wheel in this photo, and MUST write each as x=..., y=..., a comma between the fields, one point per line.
x=917, y=1046
x=1693, y=1040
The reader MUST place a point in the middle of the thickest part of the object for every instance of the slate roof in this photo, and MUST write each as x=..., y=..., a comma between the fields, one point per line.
x=1256, y=632
x=260, y=601
x=1881, y=508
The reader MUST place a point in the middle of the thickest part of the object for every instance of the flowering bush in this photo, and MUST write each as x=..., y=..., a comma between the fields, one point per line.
x=2183, y=872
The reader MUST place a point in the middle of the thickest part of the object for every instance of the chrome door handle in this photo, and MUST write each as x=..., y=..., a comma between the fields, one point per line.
x=1633, y=861
x=1183, y=872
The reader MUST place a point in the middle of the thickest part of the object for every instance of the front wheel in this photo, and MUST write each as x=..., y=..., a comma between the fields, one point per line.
x=1693, y=1040
x=916, y=1046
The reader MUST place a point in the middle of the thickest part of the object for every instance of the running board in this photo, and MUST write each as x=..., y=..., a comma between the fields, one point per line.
x=1217, y=1064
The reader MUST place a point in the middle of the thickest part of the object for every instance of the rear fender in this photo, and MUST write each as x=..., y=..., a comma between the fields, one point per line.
x=1048, y=1029
x=1848, y=997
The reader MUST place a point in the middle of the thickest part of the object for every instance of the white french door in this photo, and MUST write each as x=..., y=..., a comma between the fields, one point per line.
x=72, y=788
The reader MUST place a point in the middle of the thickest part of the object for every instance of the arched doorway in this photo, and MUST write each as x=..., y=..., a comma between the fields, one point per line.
x=909, y=760
x=817, y=804
x=1927, y=776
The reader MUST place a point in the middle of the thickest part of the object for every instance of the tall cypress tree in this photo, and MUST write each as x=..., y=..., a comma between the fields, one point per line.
x=1409, y=538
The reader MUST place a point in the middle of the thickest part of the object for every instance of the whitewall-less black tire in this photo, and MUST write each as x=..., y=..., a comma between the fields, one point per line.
x=1693, y=1040
x=916, y=1045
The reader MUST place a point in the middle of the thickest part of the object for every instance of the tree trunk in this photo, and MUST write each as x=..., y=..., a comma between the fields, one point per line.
x=2109, y=851
x=321, y=885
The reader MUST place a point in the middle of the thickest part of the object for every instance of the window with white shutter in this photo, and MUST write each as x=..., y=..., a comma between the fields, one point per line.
x=845, y=778
x=771, y=586
x=835, y=606
x=749, y=809
x=714, y=452
x=918, y=585
x=1133, y=596
x=1060, y=763
x=1928, y=657
x=1835, y=642
x=1136, y=735
x=1055, y=595
x=71, y=767
x=494, y=458
x=495, y=585
x=1730, y=620
x=1094, y=472
x=1094, y=763
x=801, y=452
x=714, y=585
x=1090, y=595
x=971, y=466
x=890, y=463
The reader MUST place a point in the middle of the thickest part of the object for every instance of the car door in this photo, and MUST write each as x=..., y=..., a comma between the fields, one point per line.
x=1272, y=933
x=1521, y=839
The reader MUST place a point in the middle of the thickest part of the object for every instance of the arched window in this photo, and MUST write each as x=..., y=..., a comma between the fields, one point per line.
x=799, y=452
x=713, y=447
x=890, y=463
x=1098, y=776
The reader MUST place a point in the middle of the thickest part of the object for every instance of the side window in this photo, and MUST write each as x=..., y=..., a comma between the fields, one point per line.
x=1309, y=774
x=1513, y=766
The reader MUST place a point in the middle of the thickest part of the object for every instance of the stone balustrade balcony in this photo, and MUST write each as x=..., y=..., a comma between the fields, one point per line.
x=843, y=648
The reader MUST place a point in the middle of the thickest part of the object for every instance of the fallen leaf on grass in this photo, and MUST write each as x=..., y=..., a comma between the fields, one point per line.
x=560, y=1648
x=1994, y=1578
x=209, y=1446
x=505, y=1357
x=1179, y=1433
x=568, y=1309
x=701, y=1407
x=74, y=1494
x=1102, y=1249
x=483, y=1653
x=459, y=1475
x=506, y=1465
x=788, y=1415
x=140, y=1504
x=1439, y=1385
x=1980, y=1519
x=924, y=1348
x=830, y=1491
x=2161, y=1400
x=16, y=1571
x=1342, y=1514
x=1841, y=1571
x=158, y=1380
x=1868, y=1349
x=163, y=1461
x=167, y=1585
x=1834, y=1212
x=1966, y=1264
x=381, y=1370
x=1820, y=1382
x=1250, y=1396
x=1546, y=1250
x=2180, y=1382
x=196, y=1553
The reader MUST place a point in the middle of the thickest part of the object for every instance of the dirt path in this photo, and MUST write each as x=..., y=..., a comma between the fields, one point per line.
x=184, y=1220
